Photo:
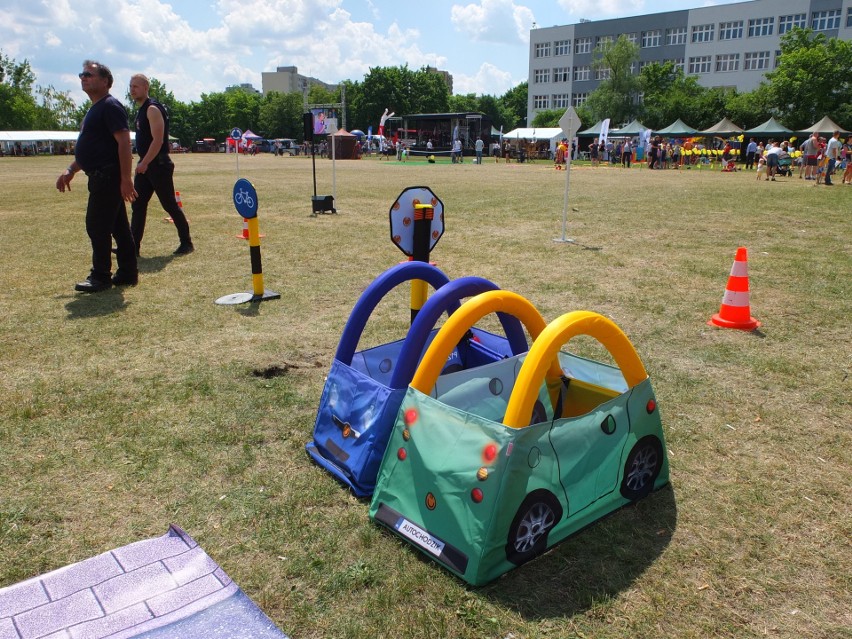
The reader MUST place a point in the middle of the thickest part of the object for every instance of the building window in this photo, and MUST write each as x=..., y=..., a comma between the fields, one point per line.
x=582, y=73
x=602, y=74
x=677, y=63
x=541, y=76
x=700, y=64
x=786, y=23
x=824, y=20
x=540, y=102
x=561, y=101
x=849, y=17
x=583, y=45
x=560, y=74
x=604, y=41
x=702, y=33
x=677, y=35
x=731, y=30
x=631, y=37
x=761, y=27
x=756, y=61
x=542, y=50
x=651, y=38
x=562, y=47
x=777, y=57
x=727, y=62
x=578, y=99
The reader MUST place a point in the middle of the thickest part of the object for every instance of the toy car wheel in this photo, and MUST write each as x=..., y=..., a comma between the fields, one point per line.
x=642, y=467
x=537, y=515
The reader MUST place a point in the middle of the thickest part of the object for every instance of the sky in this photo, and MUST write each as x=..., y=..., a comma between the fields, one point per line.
x=203, y=46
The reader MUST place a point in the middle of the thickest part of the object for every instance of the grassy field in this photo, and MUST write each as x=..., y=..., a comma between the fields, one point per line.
x=131, y=409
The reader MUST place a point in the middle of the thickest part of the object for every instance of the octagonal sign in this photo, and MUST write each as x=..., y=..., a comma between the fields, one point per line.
x=402, y=218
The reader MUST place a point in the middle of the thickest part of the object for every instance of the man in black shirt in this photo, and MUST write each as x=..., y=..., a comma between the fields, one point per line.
x=155, y=170
x=103, y=152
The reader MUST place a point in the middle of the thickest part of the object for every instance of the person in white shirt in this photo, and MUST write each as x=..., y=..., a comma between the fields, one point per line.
x=832, y=150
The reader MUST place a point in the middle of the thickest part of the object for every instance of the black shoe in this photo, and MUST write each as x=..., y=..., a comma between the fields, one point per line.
x=184, y=248
x=120, y=279
x=92, y=285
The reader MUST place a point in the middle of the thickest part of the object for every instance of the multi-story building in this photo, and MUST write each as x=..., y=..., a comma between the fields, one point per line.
x=730, y=45
x=289, y=80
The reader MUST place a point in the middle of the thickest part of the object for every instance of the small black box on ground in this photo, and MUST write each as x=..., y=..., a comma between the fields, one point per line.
x=323, y=204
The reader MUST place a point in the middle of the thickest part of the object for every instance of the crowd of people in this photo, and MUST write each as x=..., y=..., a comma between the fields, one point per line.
x=817, y=158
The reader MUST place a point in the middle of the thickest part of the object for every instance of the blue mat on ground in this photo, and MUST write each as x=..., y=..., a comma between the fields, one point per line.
x=162, y=588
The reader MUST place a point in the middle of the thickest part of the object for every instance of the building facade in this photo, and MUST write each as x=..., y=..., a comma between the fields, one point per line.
x=289, y=80
x=731, y=45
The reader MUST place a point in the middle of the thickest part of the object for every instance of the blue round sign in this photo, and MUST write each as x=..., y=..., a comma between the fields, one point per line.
x=236, y=134
x=245, y=198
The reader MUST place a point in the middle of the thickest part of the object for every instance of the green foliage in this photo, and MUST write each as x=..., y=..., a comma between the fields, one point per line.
x=548, y=118
x=515, y=106
x=462, y=103
x=616, y=96
x=18, y=108
x=812, y=78
x=281, y=115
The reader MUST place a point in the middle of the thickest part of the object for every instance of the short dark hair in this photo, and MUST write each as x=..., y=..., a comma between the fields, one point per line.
x=103, y=70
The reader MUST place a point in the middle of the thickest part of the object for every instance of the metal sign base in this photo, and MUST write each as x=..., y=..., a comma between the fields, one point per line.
x=245, y=298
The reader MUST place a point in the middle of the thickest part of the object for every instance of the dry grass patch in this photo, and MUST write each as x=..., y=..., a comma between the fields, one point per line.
x=130, y=409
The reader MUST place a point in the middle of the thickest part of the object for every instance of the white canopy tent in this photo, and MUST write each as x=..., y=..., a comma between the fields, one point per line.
x=537, y=134
x=36, y=139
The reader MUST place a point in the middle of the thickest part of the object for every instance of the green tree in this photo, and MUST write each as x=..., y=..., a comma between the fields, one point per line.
x=57, y=110
x=18, y=108
x=464, y=102
x=514, y=103
x=548, y=118
x=812, y=78
x=209, y=117
x=616, y=96
x=400, y=90
x=281, y=115
x=242, y=109
x=669, y=95
x=751, y=108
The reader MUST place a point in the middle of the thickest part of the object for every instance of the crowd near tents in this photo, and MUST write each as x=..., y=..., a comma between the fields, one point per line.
x=61, y=142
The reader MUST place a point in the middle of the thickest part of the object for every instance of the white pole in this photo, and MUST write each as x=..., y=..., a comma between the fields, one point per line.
x=567, y=184
x=333, y=169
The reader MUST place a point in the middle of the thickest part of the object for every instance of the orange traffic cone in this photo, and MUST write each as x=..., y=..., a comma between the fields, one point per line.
x=180, y=205
x=245, y=234
x=735, y=311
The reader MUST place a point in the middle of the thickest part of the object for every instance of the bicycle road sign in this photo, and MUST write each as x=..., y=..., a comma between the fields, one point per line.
x=245, y=198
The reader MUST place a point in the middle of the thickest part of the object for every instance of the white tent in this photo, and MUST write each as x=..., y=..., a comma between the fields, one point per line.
x=47, y=138
x=537, y=134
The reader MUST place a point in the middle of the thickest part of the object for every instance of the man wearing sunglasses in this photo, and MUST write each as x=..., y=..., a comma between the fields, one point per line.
x=103, y=153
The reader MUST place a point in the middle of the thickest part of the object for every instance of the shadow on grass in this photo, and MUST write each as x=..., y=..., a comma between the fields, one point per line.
x=154, y=264
x=85, y=305
x=593, y=565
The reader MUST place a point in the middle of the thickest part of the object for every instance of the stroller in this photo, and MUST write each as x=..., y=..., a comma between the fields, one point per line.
x=785, y=165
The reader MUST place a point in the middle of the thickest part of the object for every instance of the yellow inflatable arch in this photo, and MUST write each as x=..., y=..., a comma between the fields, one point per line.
x=542, y=363
x=546, y=348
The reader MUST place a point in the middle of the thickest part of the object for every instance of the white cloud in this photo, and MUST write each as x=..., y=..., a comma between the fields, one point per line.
x=499, y=21
x=602, y=8
x=234, y=41
x=489, y=80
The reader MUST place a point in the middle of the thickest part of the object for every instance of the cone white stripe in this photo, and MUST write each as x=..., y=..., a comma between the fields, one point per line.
x=739, y=269
x=734, y=298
